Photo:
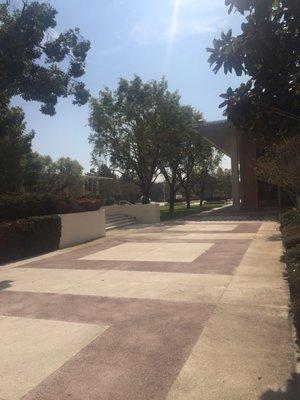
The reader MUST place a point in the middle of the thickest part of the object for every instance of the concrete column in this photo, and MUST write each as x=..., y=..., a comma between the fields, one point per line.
x=235, y=171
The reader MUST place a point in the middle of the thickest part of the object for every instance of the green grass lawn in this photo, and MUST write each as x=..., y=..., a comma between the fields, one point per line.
x=181, y=210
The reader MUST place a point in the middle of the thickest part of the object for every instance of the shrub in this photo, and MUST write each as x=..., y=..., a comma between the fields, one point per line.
x=15, y=206
x=292, y=255
x=290, y=228
x=291, y=240
x=290, y=218
x=29, y=236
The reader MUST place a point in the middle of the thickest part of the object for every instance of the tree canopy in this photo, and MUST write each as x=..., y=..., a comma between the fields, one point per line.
x=36, y=65
x=42, y=174
x=128, y=126
x=217, y=185
x=15, y=148
x=179, y=126
x=268, y=51
x=145, y=131
x=199, y=159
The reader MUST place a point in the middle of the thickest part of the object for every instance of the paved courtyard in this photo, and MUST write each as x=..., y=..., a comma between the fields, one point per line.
x=190, y=310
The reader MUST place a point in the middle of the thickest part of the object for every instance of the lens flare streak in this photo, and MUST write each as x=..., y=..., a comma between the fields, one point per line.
x=172, y=32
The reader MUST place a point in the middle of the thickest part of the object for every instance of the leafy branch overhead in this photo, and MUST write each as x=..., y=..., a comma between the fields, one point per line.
x=268, y=52
x=37, y=64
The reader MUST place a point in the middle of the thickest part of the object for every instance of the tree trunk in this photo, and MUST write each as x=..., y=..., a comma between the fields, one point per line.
x=202, y=189
x=171, y=199
x=145, y=193
x=187, y=198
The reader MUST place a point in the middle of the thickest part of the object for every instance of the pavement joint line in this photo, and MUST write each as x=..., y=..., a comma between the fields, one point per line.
x=102, y=271
x=57, y=320
x=231, y=305
x=283, y=307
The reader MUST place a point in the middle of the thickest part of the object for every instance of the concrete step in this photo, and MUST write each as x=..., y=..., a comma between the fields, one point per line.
x=119, y=221
x=110, y=227
x=117, y=217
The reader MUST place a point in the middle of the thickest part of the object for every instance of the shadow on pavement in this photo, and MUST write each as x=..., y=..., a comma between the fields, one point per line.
x=5, y=284
x=290, y=393
x=274, y=238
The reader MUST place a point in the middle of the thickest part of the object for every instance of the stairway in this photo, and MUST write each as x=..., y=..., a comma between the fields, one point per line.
x=116, y=221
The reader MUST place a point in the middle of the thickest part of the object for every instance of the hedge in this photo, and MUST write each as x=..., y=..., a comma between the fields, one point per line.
x=290, y=229
x=28, y=237
x=290, y=218
x=14, y=206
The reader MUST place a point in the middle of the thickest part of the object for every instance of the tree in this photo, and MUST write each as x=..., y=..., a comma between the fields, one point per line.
x=37, y=67
x=223, y=178
x=191, y=149
x=34, y=65
x=198, y=159
x=209, y=166
x=68, y=174
x=128, y=190
x=38, y=172
x=128, y=125
x=105, y=170
x=219, y=185
x=102, y=170
x=157, y=191
x=44, y=175
x=178, y=127
x=15, y=148
x=267, y=50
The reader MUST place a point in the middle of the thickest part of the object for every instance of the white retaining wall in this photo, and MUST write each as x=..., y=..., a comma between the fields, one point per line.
x=81, y=227
x=145, y=213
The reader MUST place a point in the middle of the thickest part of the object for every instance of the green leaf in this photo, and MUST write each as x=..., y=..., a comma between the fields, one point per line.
x=223, y=104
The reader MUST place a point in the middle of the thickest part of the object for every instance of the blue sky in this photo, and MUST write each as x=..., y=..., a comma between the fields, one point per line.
x=150, y=38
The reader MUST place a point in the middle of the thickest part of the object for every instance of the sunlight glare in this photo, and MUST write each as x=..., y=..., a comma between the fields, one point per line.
x=172, y=31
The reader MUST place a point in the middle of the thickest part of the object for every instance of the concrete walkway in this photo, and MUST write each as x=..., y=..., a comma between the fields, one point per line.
x=190, y=310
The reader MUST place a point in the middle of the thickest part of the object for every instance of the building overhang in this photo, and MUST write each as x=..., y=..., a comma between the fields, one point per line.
x=219, y=133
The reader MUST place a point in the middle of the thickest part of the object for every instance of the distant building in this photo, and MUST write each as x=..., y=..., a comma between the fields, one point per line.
x=248, y=192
